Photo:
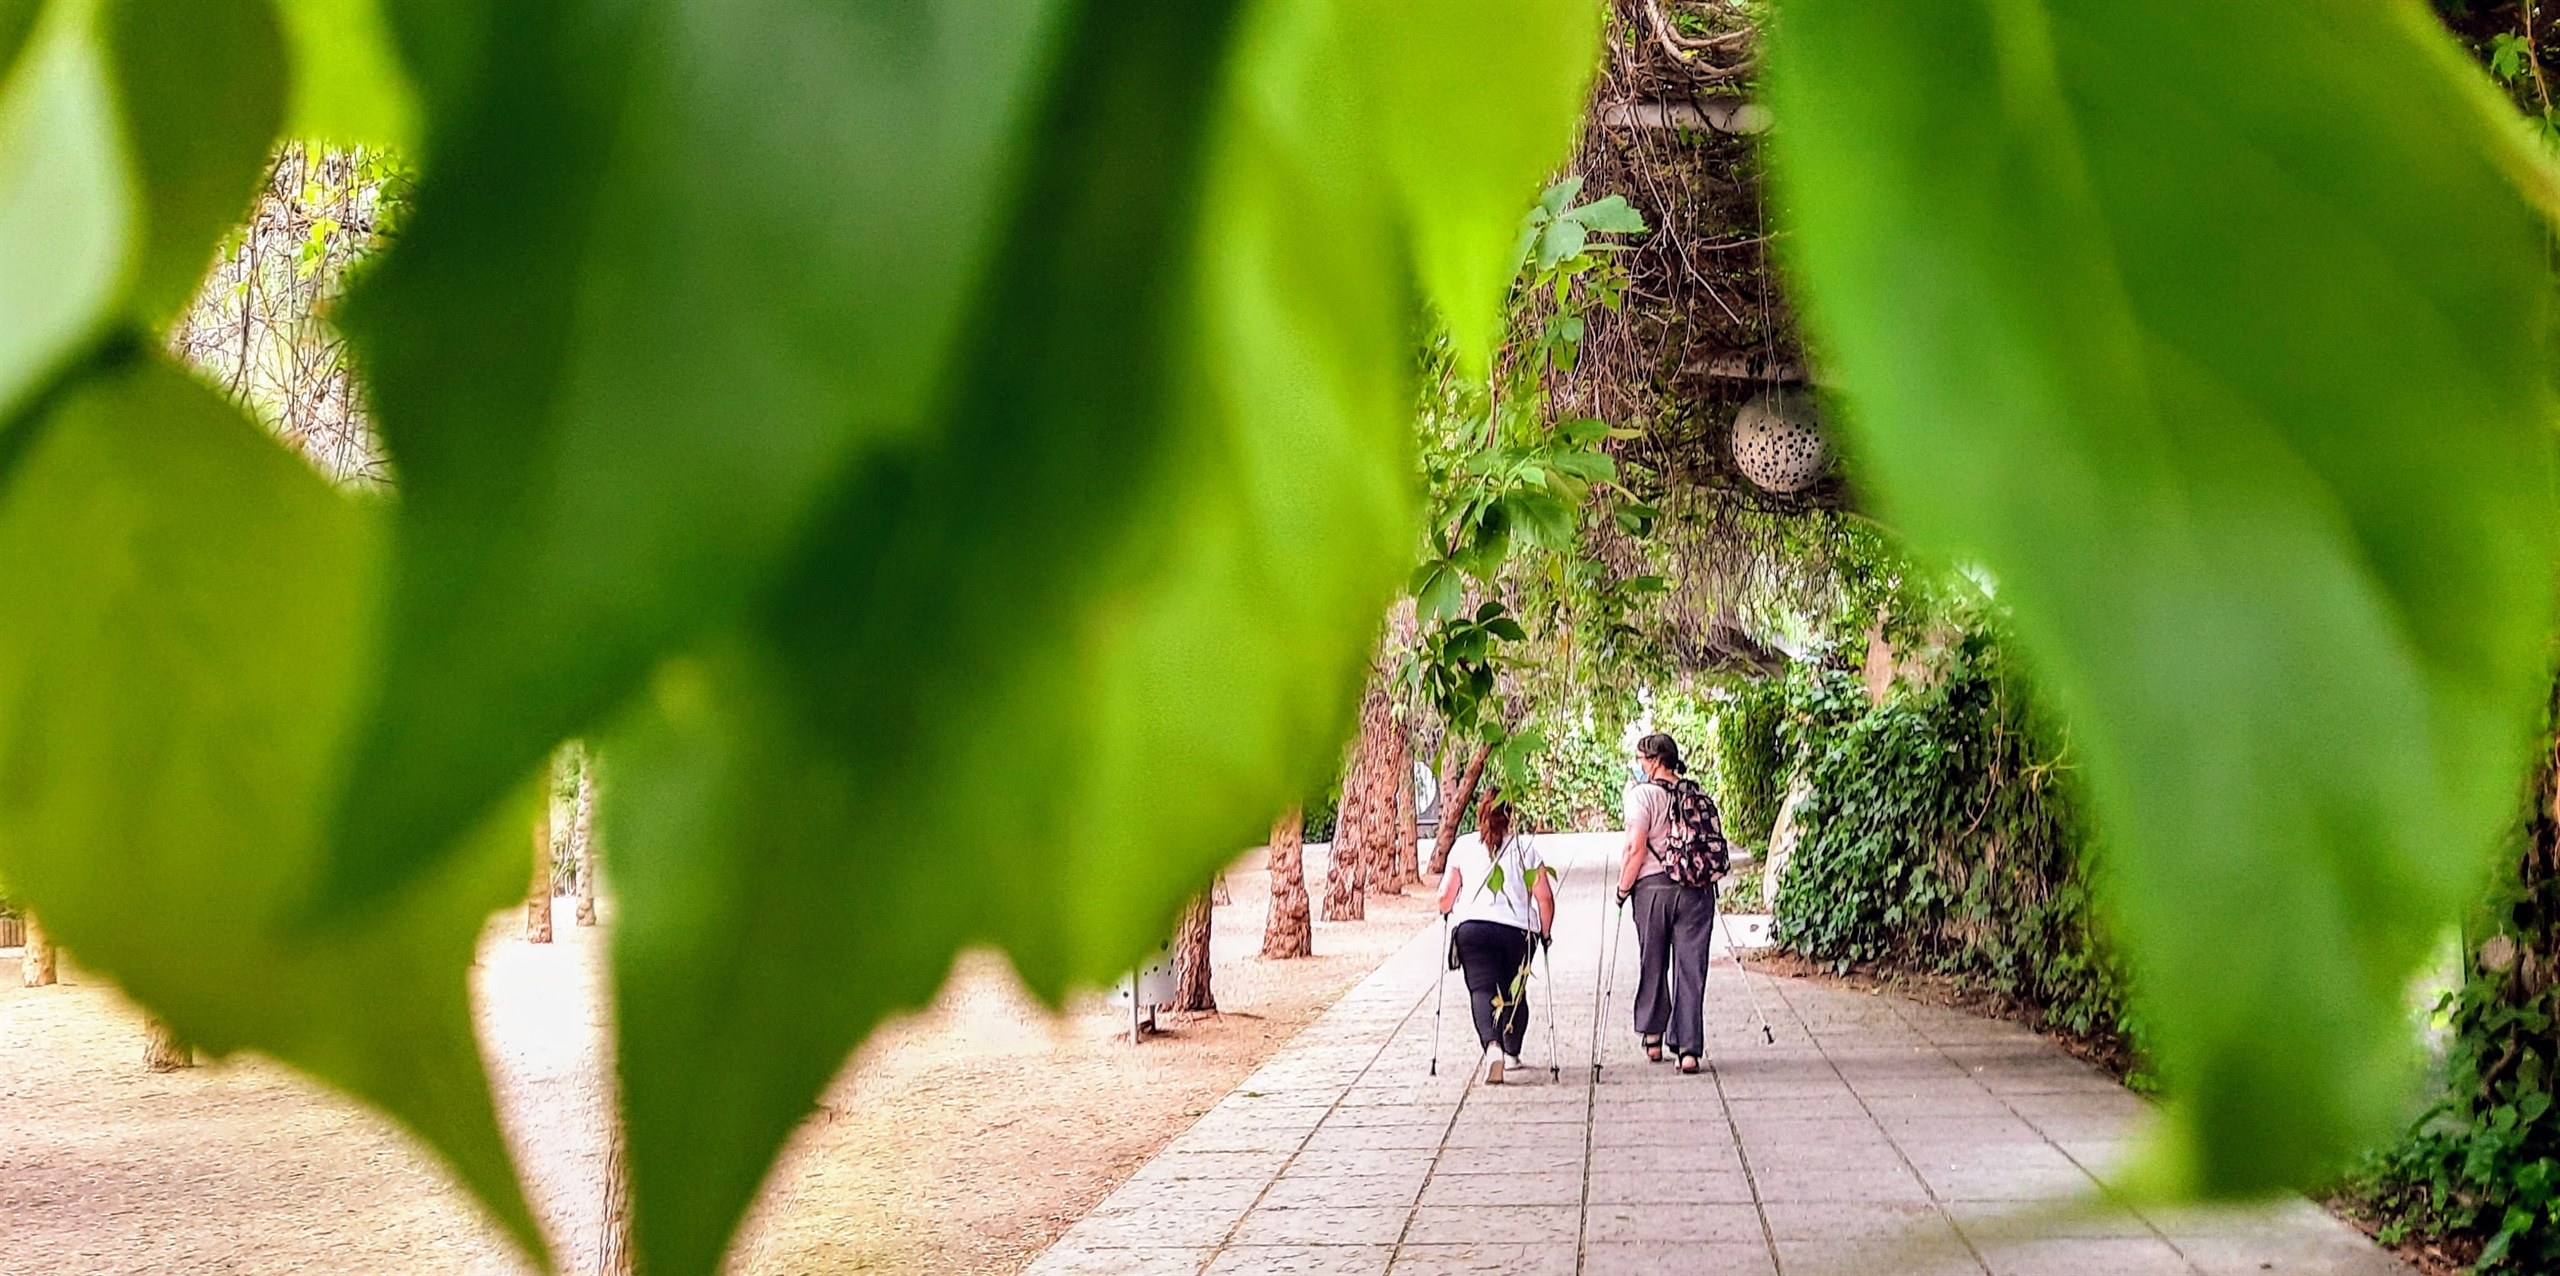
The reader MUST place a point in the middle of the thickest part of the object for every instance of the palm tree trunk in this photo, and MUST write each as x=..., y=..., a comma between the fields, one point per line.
x=583, y=834
x=38, y=966
x=1344, y=899
x=537, y=903
x=1191, y=957
x=1453, y=808
x=1408, y=838
x=162, y=1051
x=1288, y=932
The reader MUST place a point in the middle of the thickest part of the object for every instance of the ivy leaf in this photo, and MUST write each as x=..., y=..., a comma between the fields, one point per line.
x=591, y=474
x=131, y=136
x=2217, y=333
x=1441, y=596
x=183, y=611
x=1462, y=159
x=1612, y=215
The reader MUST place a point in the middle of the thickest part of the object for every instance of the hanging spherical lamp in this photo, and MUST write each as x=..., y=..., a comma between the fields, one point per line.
x=1776, y=442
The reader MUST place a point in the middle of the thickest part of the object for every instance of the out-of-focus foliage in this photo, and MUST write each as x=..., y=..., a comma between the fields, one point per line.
x=824, y=410
x=2230, y=362
x=2481, y=1166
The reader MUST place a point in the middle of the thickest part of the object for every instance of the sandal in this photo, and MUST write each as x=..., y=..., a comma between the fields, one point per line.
x=1689, y=1065
x=1652, y=1047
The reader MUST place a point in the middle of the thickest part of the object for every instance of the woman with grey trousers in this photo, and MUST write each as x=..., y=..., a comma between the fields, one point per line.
x=1674, y=923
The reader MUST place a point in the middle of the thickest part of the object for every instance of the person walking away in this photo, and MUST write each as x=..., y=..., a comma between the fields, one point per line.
x=1502, y=897
x=1675, y=856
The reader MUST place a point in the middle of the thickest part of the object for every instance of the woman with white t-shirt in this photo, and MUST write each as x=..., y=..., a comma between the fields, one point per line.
x=1503, y=900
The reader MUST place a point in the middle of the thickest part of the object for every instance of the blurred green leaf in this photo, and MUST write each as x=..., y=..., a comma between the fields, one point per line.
x=17, y=22
x=2218, y=334
x=1463, y=159
x=593, y=471
x=131, y=136
x=182, y=621
x=1103, y=699
x=65, y=201
x=202, y=93
x=349, y=86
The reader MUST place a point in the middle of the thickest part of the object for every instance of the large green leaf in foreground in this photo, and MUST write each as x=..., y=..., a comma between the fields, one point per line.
x=131, y=137
x=1042, y=673
x=672, y=268
x=2217, y=332
x=182, y=618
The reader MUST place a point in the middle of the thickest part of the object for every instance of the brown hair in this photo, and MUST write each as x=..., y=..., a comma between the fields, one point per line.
x=1493, y=821
x=1663, y=749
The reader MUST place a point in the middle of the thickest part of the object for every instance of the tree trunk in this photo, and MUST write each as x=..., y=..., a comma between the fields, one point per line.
x=38, y=964
x=613, y=1249
x=1288, y=932
x=1408, y=836
x=1344, y=900
x=161, y=1049
x=1386, y=811
x=537, y=905
x=1453, y=806
x=1191, y=958
x=583, y=835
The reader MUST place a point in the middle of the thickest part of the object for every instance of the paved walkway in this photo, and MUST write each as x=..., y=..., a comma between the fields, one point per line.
x=1875, y=1136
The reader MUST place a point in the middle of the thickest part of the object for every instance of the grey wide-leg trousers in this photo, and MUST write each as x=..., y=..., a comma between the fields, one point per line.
x=1674, y=926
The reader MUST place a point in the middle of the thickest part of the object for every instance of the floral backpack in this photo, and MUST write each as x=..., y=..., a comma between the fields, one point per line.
x=1693, y=849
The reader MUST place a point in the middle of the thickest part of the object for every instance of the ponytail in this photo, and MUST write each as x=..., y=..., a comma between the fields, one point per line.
x=1493, y=821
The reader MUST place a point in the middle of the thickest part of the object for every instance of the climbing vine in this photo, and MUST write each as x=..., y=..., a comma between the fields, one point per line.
x=1943, y=830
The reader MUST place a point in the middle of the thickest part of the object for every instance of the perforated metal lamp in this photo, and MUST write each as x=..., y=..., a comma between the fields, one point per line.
x=1777, y=442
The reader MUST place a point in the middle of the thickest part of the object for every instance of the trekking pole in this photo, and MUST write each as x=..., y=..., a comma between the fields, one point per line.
x=1439, y=993
x=1766, y=1036
x=1607, y=979
x=1555, y=1060
x=1600, y=951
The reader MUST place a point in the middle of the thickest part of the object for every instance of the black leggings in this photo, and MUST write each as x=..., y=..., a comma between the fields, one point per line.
x=1496, y=959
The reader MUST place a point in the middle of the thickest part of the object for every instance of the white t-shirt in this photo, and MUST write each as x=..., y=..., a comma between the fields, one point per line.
x=1479, y=900
x=1649, y=809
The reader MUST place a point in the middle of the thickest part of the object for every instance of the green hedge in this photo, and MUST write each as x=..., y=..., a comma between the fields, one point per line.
x=1944, y=832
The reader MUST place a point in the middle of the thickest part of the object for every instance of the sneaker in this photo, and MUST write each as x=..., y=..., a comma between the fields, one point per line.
x=1493, y=1073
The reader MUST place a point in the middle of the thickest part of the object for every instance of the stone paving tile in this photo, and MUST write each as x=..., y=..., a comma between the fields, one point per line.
x=1484, y=1259
x=1333, y=1225
x=1066, y=1259
x=1506, y=1224
x=1848, y=1221
x=2083, y=1256
x=1690, y=1258
x=1325, y=1191
x=1303, y=1260
x=1685, y=1222
x=1611, y=1186
x=2016, y=1173
x=1207, y=1196
x=1171, y=1166
x=1885, y=1183
x=1480, y=1190
x=1165, y=1227
x=1330, y=1140
x=1358, y=1162
x=1878, y=1138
